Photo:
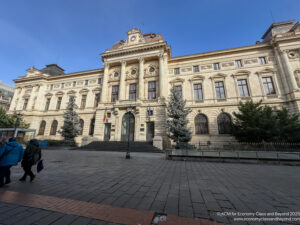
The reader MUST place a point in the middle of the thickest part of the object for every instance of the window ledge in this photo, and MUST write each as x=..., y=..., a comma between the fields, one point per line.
x=221, y=99
x=272, y=96
x=199, y=101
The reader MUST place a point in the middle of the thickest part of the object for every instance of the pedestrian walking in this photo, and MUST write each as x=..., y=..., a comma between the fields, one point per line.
x=32, y=155
x=10, y=154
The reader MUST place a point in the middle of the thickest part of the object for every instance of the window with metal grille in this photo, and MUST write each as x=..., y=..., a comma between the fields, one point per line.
x=81, y=124
x=42, y=127
x=53, y=127
x=224, y=123
x=201, y=124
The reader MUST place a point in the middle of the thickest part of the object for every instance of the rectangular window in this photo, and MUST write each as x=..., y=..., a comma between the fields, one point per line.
x=74, y=83
x=58, y=104
x=268, y=85
x=238, y=63
x=47, y=104
x=83, y=101
x=178, y=89
x=198, y=95
x=262, y=60
x=220, y=91
x=97, y=99
x=243, y=88
x=216, y=66
x=25, y=103
x=51, y=87
x=115, y=93
x=132, y=92
x=86, y=82
x=152, y=90
x=196, y=69
x=99, y=80
x=62, y=85
x=177, y=71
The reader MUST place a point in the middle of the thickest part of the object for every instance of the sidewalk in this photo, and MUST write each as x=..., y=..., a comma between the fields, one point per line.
x=149, y=183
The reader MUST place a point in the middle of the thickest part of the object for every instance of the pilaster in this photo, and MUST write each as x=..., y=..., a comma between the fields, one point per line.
x=122, y=81
x=161, y=74
x=288, y=71
x=141, y=78
x=104, y=82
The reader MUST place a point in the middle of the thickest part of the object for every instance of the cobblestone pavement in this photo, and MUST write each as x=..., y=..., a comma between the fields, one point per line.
x=149, y=182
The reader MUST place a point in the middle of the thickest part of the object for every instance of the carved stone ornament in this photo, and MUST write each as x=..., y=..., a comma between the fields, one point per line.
x=151, y=71
x=292, y=54
x=297, y=77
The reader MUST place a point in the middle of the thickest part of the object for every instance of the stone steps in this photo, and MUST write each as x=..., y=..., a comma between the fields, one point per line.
x=120, y=146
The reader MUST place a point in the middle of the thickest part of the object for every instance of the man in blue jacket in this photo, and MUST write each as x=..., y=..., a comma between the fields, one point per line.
x=10, y=154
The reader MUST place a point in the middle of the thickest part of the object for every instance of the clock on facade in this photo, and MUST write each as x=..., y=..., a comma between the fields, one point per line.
x=132, y=38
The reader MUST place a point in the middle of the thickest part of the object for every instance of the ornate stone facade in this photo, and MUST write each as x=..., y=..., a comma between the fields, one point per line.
x=134, y=85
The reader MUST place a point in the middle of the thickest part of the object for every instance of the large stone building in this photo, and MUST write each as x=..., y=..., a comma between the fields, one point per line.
x=6, y=95
x=138, y=73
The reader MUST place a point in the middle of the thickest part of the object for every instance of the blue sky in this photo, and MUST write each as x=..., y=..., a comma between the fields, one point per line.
x=73, y=33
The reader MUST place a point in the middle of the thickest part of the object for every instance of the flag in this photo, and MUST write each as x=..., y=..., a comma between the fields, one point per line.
x=105, y=114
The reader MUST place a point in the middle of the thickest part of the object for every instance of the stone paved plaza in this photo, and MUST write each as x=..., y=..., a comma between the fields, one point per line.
x=149, y=182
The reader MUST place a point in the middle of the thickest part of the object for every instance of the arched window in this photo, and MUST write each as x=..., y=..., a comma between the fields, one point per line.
x=201, y=124
x=42, y=128
x=92, y=126
x=53, y=127
x=81, y=124
x=224, y=123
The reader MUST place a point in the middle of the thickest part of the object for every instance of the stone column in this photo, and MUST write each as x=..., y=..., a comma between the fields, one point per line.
x=104, y=83
x=280, y=67
x=288, y=71
x=122, y=89
x=161, y=74
x=141, y=78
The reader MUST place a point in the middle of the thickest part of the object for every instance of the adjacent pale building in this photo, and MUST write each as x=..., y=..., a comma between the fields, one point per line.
x=127, y=99
x=6, y=95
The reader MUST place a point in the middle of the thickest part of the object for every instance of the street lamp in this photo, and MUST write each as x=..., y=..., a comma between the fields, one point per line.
x=18, y=115
x=129, y=121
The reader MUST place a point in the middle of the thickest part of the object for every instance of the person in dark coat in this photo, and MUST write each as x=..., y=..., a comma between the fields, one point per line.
x=10, y=154
x=31, y=156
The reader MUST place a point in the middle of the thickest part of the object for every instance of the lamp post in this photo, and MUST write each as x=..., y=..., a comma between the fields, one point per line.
x=128, y=147
x=18, y=115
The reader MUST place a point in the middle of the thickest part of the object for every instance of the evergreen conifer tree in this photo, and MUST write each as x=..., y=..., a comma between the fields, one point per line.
x=71, y=127
x=177, y=122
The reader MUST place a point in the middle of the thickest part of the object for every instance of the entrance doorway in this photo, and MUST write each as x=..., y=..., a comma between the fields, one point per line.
x=128, y=124
x=107, y=130
x=150, y=131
